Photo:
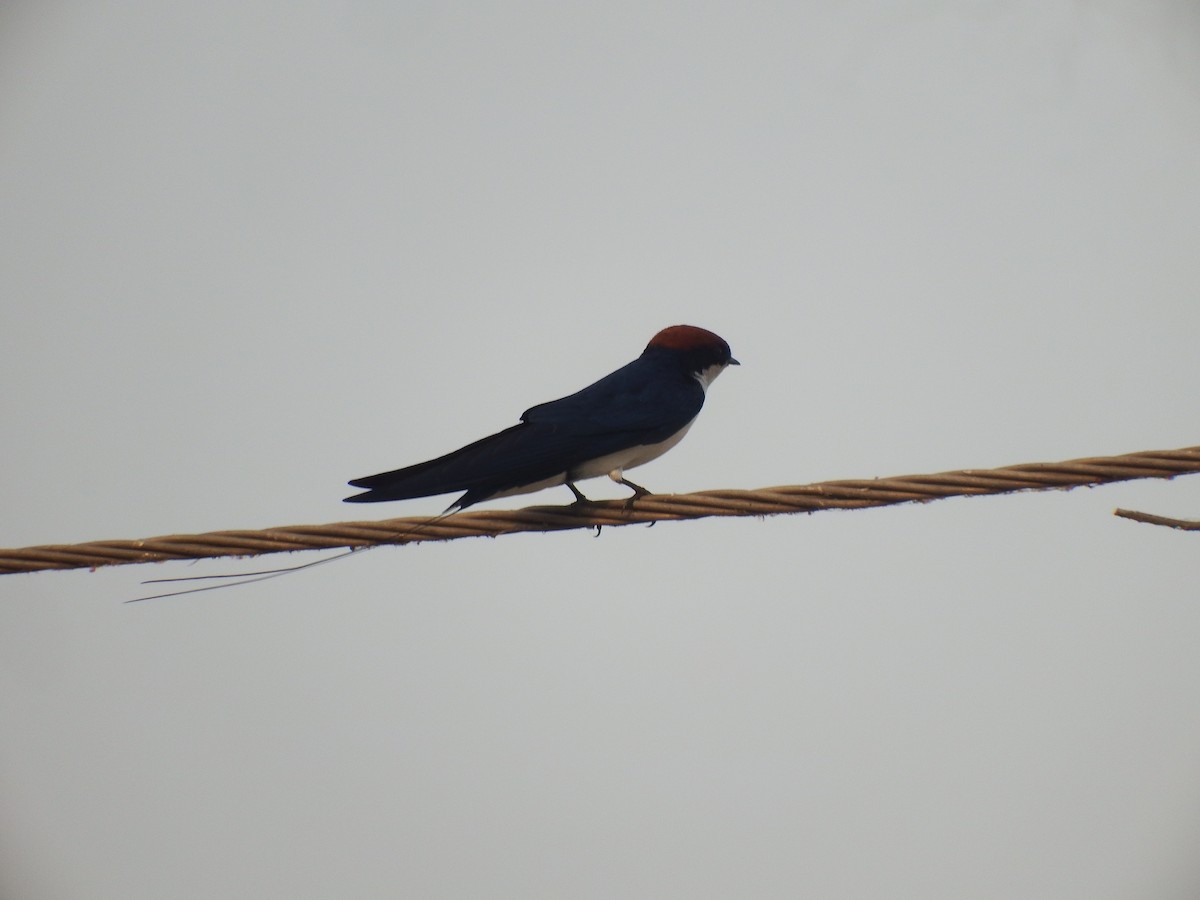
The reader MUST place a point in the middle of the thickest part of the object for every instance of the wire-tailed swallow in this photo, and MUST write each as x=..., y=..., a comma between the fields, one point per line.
x=625, y=419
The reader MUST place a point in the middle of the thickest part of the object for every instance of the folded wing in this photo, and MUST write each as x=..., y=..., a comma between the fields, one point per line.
x=624, y=409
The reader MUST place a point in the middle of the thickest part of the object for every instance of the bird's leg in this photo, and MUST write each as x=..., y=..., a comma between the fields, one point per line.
x=638, y=491
x=579, y=498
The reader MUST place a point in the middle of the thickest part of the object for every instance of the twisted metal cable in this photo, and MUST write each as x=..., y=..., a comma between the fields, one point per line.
x=845, y=494
x=1151, y=519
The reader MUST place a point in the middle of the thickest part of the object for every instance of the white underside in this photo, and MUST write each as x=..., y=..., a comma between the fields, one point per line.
x=614, y=464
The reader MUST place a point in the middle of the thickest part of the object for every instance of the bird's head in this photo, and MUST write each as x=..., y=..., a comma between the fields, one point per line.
x=702, y=354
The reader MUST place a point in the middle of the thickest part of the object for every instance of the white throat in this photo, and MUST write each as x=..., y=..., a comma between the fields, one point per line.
x=708, y=375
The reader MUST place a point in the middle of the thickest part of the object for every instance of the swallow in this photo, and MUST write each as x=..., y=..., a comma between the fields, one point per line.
x=626, y=419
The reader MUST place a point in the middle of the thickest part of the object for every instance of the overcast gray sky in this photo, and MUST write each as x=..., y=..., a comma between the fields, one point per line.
x=251, y=250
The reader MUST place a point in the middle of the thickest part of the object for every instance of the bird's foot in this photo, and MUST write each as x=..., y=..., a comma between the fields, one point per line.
x=638, y=491
x=579, y=498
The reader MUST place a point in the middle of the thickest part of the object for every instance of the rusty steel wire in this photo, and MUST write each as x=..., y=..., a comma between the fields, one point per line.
x=845, y=494
x=1151, y=519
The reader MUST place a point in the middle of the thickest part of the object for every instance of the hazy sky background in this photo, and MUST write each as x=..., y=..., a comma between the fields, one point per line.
x=251, y=250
